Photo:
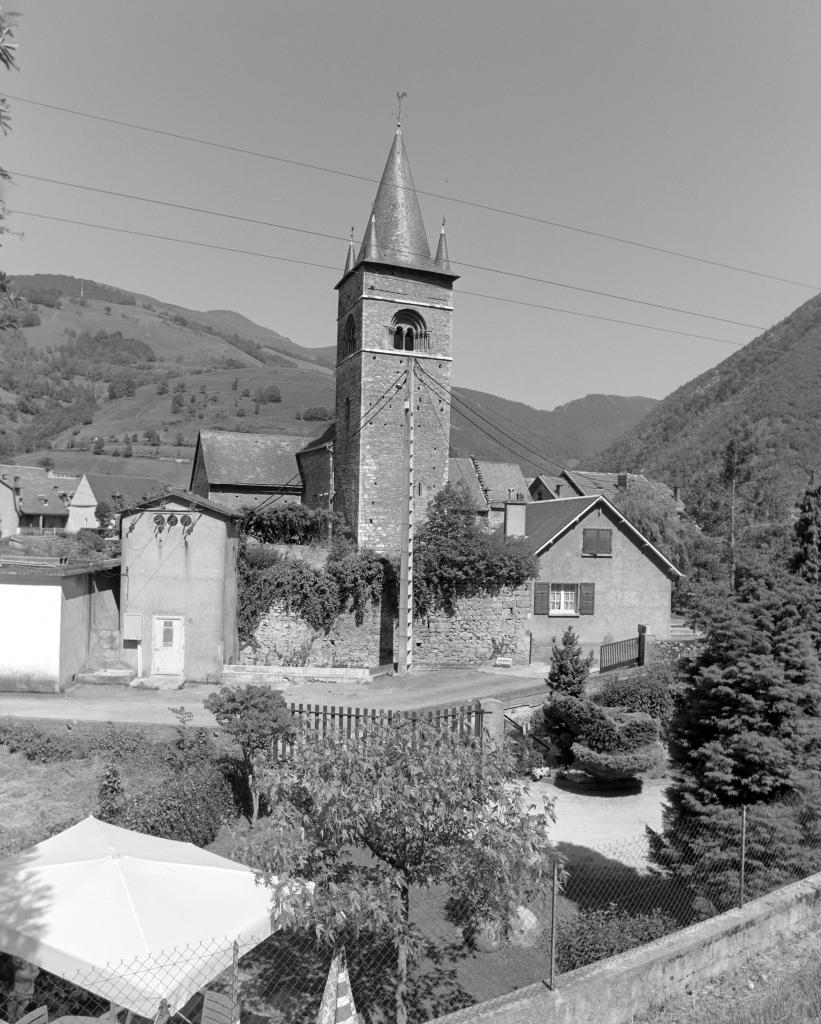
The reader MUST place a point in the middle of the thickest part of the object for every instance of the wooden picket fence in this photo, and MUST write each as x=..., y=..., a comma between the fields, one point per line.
x=462, y=721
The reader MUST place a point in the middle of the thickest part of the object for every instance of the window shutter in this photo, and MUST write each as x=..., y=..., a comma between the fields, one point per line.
x=541, y=598
x=587, y=598
x=605, y=542
x=589, y=545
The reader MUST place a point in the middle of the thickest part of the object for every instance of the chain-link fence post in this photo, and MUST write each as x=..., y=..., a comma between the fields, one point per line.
x=743, y=867
x=553, y=924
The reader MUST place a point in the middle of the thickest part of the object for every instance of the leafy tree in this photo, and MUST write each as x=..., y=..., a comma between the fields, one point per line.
x=234, y=384
x=152, y=437
x=46, y=462
x=162, y=386
x=318, y=412
x=256, y=718
x=424, y=809
x=454, y=557
x=104, y=514
x=99, y=446
x=569, y=667
x=128, y=451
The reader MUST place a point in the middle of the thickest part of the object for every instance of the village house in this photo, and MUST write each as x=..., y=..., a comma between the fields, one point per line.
x=31, y=502
x=243, y=470
x=578, y=483
x=596, y=573
x=118, y=492
x=179, y=589
x=490, y=484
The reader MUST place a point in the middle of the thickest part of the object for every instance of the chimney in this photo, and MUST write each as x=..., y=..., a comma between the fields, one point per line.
x=558, y=490
x=622, y=481
x=515, y=518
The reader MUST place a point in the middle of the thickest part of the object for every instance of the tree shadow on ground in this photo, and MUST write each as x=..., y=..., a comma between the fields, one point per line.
x=594, y=881
x=282, y=980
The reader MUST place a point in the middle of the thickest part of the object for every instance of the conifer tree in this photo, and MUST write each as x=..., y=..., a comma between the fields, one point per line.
x=748, y=734
x=807, y=540
x=569, y=668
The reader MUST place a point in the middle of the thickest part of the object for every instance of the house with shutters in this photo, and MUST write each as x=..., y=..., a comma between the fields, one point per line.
x=597, y=573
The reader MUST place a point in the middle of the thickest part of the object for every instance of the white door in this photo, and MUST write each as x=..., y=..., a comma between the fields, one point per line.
x=169, y=647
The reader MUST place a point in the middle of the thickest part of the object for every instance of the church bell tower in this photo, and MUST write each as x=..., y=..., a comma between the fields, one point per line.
x=395, y=305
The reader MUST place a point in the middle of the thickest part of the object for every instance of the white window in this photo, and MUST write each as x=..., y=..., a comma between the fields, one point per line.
x=563, y=598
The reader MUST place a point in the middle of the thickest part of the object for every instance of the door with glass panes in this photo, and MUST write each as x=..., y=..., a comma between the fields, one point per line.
x=169, y=645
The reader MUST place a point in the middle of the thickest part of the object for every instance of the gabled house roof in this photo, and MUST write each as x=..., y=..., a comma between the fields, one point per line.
x=233, y=458
x=183, y=497
x=127, y=489
x=611, y=485
x=548, y=521
x=490, y=484
x=34, y=493
x=323, y=440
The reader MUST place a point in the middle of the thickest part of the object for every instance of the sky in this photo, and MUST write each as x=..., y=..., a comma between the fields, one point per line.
x=685, y=127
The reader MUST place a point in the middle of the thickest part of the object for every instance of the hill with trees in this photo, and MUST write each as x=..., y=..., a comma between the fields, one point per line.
x=98, y=369
x=748, y=428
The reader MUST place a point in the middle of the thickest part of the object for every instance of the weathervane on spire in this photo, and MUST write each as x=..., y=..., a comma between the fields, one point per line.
x=399, y=97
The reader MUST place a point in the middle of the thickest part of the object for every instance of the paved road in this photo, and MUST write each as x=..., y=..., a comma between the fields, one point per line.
x=123, y=704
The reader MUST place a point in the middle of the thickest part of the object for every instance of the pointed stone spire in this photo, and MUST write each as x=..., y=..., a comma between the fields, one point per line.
x=350, y=260
x=370, y=245
x=397, y=219
x=442, y=259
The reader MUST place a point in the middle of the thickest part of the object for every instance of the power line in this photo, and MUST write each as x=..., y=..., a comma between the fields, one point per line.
x=325, y=266
x=522, y=448
x=432, y=195
x=401, y=252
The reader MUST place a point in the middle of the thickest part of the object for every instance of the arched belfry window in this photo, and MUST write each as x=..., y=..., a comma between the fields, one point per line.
x=349, y=337
x=409, y=331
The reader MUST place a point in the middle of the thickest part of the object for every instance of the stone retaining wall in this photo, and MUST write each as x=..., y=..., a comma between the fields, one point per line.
x=482, y=629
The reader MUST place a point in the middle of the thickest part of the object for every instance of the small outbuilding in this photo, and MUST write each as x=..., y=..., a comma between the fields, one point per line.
x=56, y=619
x=179, y=590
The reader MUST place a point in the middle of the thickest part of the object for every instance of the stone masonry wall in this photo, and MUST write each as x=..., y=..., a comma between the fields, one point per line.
x=482, y=629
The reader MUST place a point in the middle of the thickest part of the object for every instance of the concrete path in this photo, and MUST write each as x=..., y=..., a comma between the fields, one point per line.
x=123, y=704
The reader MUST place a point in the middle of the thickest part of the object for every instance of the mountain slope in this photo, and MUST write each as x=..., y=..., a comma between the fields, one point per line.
x=83, y=343
x=569, y=435
x=770, y=390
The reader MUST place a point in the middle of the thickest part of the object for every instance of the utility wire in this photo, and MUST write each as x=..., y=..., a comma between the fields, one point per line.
x=325, y=266
x=433, y=195
x=451, y=397
x=400, y=252
x=386, y=396
x=519, y=448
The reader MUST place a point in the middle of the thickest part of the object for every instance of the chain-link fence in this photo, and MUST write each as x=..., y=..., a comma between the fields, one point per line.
x=602, y=901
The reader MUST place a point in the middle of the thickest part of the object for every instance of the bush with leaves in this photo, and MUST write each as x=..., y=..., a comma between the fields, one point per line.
x=360, y=580
x=187, y=798
x=454, y=557
x=295, y=586
x=256, y=718
x=652, y=690
x=367, y=818
x=605, y=742
x=569, y=667
x=291, y=524
x=592, y=935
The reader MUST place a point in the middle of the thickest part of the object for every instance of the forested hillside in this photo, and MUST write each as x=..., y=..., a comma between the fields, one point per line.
x=754, y=420
x=97, y=369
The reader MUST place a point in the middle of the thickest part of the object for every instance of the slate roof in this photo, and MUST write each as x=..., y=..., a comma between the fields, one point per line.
x=34, y=493
x=462, y=471
x=546, y=521
x=249, y=460
x=395, y=233
x=128, y=489
x=595, y=482
x=328, y=436
x=186, y=498
x=502, y=481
